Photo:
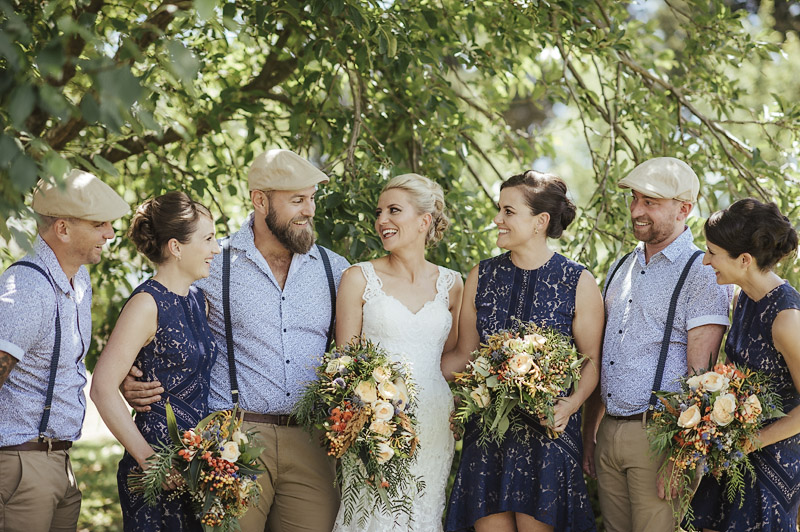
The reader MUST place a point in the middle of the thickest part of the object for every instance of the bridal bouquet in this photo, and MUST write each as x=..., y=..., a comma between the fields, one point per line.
x=708, y=427
x=218, y=464
x=526, y=367
x=364, y=405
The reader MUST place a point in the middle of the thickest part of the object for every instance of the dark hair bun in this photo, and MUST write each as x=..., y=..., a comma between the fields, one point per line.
x=545, y=193
x=750, y=226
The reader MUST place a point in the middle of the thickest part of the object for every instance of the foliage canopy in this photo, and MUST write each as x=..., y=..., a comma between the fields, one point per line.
x=161, y=95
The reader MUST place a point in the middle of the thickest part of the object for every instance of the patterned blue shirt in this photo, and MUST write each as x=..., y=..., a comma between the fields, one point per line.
x=636, y=305
x=278, y=335
x=27, y=332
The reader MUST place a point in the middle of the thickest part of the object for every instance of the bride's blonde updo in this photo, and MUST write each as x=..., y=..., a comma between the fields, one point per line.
x=427, y=197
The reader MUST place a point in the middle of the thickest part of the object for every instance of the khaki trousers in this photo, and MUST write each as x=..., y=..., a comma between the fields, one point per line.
x=298, y=488
x=38, y=492
x=626, y=480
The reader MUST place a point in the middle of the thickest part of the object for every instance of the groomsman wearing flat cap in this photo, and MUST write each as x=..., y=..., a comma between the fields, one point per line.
x=45, y=331
x=281, y=291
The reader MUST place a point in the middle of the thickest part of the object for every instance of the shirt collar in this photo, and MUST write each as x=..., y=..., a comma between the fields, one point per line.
x=674, y=250
x=45, y=253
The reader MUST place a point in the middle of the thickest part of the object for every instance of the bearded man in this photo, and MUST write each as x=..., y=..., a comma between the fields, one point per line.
x=280, y=293
x=665, y=315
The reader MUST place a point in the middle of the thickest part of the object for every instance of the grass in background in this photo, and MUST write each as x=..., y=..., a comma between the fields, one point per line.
x=95, y=467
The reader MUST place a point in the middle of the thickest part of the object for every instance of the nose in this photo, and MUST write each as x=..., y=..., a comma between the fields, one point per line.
x=706, y=259
x=215, y=250
x=309, y=208
x=636, y=210
x=108, y=231
x=497, y=219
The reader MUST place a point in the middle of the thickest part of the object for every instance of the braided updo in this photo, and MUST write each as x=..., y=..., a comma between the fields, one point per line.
x=427, y=197
x=750, y=226
x=160, y=219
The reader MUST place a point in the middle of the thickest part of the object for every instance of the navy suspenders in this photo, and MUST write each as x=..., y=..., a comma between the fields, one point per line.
x=48, y=401
x=673, y=304
x=226, y=309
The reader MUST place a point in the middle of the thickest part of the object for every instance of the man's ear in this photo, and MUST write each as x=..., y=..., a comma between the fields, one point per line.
x=260, y=201
x=686, y=209
x=62, y=230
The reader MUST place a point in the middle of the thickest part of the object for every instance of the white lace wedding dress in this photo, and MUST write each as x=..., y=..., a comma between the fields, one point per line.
x=417, y=338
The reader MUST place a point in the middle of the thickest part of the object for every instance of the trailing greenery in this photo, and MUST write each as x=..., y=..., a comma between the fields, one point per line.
x=178, y=94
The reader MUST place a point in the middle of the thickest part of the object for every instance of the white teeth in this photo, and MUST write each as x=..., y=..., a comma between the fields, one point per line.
x=503, y=231
x=388, y=232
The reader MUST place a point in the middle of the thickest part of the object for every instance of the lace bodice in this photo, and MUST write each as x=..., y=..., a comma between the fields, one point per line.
x=418, y=339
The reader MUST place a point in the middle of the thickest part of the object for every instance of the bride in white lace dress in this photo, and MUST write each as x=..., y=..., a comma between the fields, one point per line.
x=410, y=307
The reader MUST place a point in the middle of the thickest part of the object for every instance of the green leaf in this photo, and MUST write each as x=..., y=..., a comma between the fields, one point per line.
x=23, y=172
x=183, y=62
x=205, y=9
x=104, y=165
x=492, y=381
x=8, y=150
x=51, y=60
x=21, y=105
x=172, y=424
x=90, y=109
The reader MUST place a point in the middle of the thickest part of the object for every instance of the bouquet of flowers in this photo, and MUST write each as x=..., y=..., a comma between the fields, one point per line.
x=364, y=405
x=708, y=426
x=218, y=464
x=526, y=367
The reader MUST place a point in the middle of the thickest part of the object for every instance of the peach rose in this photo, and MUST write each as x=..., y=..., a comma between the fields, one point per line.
x=381, y=374
x=537, y=340
x=520, y=363
x=694, y=382
x=402, y=398
x=387, y=390
x=713, y=381
x=689, y=417
x=724, y=407
x=367, y=392
x=752, y=407
x=381, y=427
x=382, y=411
x=481, y=396
x=385, y=452
x=229, y=451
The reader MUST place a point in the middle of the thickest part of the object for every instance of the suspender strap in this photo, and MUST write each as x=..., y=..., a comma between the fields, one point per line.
x=51, y=383
x=226, y=312
x=332, y=287
x=614, y=271
x=673, y=304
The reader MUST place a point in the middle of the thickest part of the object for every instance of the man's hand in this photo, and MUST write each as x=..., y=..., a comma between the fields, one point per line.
x=589, y=443
x=140, y=394
x=7, y=363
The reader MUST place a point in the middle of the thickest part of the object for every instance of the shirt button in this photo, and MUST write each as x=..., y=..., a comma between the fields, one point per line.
x=611, y=363
x=284, y=330
x=283, y=298
x=287, y=361
x=642, y=272
x=288, y=394
x=630, y=301
x=620, y=331
x=609, y=395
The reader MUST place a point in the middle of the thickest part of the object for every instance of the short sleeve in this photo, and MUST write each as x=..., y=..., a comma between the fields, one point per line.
x=706, y=301
x=23, y=302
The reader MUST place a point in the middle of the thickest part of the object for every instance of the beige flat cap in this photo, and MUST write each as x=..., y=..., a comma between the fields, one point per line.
x=83, y=196
x=283, y=170
x=664, y=177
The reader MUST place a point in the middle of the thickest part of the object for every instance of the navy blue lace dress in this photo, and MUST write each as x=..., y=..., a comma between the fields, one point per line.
x=180, y=357
x=770, y=504
x=529, y=472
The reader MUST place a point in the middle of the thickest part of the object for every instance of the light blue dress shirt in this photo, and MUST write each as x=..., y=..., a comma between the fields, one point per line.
x=278, y=335
x=27, y=332
x=636, y=305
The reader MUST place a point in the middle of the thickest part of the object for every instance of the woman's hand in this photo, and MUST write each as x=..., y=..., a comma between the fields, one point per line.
x=563, y=410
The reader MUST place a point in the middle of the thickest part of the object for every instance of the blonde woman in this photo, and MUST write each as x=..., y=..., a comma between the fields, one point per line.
x=410, y=307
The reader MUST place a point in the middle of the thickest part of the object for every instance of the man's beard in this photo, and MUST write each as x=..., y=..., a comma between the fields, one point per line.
x=293, y=240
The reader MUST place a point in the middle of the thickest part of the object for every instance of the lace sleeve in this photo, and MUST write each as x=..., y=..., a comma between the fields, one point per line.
x=447, y=278
x=374, y=284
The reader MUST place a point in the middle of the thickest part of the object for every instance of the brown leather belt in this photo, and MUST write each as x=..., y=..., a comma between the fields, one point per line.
x=39, y=446
x=272, y=419
x=632, y=417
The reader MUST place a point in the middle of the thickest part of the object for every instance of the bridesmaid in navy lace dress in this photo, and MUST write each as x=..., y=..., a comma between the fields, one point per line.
x=162, y=330
x=530, y=482
x=744, y=242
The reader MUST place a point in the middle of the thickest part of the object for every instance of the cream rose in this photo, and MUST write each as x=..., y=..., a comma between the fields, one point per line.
x=752, y=407
x=482, y=363
x=402, y=394
x=537, y=340
x=689, y=417
x=381, y=374
x=515, y=344
x=694, y=382
x=367, y=392
x=385, y=452
x=387, y=390
x=229, y=450
x=382, y=411
x=713, y=381
x=520, y=363
x=481, y=396
x=332, y=367
x=345, y=360
x=239, y=437
x=724, y=406
x=381, y=427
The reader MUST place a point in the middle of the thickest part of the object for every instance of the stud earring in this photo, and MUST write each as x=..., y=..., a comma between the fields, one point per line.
x=536, y=231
